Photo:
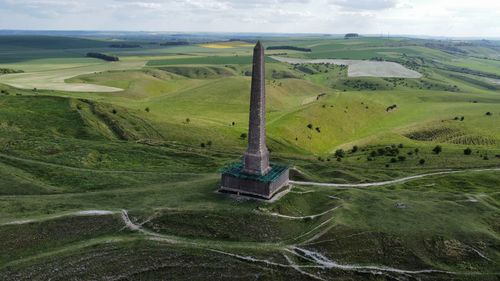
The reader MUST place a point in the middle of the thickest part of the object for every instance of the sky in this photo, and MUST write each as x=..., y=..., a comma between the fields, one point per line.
x=449, y=18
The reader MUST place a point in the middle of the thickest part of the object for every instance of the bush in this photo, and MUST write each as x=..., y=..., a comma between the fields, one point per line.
x=243, y=136
x=202, y=145
x=401, y=158
x=114, y=111
x=309, y=126
x=488, y=113
x=354, y=149
x=394, y=160
x=421, y=161
x=209, y=143
x=400, y=145
x=147, y=109
x=339, y=153
x=467, y=151
x=437, y=149
x=188, y=120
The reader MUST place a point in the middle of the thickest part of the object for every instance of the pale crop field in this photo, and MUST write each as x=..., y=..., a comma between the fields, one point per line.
x=362, y=68
x=55, y=79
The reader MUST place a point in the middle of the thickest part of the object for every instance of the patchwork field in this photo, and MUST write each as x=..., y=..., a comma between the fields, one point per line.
x=109, y=170
x=361, y=68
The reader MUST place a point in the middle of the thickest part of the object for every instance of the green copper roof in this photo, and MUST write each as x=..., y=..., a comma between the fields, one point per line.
x=235, y=169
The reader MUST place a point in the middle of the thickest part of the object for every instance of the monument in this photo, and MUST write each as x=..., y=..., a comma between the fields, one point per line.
x=255, y=176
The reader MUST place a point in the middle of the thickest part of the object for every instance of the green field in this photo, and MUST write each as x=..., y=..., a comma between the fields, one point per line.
x=98, y=184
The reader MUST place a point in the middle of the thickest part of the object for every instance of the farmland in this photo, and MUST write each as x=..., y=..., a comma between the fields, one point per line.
x=109, y=169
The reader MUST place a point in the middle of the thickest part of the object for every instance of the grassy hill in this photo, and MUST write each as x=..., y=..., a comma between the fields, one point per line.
x=106, y=185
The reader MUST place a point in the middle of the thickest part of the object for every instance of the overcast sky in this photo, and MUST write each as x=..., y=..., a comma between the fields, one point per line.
x=478, y=18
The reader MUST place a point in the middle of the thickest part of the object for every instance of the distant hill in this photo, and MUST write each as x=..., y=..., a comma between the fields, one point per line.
x=49, y=42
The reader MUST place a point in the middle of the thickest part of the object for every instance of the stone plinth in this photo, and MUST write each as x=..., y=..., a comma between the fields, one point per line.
x=235, y=180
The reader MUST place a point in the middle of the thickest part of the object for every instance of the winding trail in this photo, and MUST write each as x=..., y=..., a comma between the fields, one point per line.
x=324, y=262
x=318, y=260
x=304, y=217
x=382, y=183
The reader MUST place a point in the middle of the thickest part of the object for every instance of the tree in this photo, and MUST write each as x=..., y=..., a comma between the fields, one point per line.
x=488, y=113
x=188, y=120
x=202, y=145
x=467, y=151
x=309, y=126
x=421, y=161
x=243, y=136
x=394, y=160
x=437, y=149
x=147, y=109
x=401, y=158
x=114, y=111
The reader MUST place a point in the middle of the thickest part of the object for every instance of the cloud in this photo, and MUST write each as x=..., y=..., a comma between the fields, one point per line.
x=365, y=4
x=420, y=17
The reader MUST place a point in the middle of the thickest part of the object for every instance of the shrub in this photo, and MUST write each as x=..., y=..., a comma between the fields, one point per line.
x=393, y=160
x=209, y=143
x=202, y=145
x=421, y=161
x=400, y=145
x=147, y=109
x=339, y=153
x=243, y=136
x=354, y=149
x=401, y=158
x=488, y=113
x=437, y=149
x=467, y=151
x=309, y=126
x=416, y=150
x=114, y=111
x=188, y=120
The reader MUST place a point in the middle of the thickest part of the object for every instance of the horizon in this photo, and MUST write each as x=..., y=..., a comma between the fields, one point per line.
x=67, y=32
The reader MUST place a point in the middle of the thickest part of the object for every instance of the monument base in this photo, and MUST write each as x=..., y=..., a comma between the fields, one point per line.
x=234, y=180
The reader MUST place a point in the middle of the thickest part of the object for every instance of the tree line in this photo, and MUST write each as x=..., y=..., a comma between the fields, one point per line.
x=294, y=48
x=103, y=56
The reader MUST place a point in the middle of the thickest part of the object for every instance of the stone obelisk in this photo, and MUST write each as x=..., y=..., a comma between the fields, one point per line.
x=257, y=155
x=255, y=177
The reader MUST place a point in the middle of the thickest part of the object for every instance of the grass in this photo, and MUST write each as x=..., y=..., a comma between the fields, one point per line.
x=140, y=150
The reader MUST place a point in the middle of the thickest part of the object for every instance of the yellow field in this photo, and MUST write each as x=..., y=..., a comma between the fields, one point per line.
x=226, y=45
